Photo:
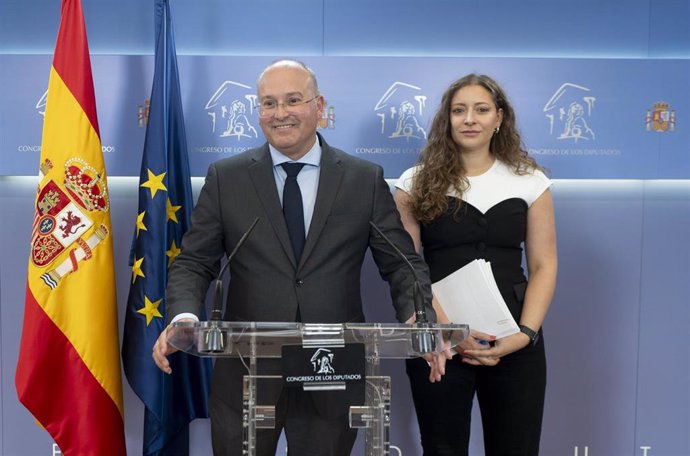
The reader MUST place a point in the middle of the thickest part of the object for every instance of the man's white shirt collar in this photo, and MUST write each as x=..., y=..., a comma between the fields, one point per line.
x=313, y=157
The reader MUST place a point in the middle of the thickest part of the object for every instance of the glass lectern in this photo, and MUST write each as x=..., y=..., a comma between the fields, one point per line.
x=320, y=344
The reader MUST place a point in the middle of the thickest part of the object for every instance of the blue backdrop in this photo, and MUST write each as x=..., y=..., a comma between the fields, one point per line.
x=601, y=90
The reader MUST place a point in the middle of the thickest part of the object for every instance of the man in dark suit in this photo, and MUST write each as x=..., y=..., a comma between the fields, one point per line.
x=278, y=275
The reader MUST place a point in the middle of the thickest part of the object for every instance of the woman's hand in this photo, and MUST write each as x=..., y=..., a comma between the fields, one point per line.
x=475, y=349
x=501, y=348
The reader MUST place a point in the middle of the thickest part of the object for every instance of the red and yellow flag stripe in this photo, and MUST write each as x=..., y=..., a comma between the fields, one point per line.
x=68, y=373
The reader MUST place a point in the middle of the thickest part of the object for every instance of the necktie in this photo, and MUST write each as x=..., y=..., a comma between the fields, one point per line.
x=292, y=208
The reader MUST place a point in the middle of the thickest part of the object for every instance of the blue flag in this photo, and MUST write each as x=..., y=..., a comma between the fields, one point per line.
x=164, y=213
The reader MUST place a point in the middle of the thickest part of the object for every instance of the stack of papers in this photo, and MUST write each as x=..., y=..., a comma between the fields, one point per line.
x=470, y=296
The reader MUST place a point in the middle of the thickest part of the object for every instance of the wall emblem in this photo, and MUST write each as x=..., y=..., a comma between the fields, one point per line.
x=399, y=110
x=662, y=118
x=569, y=112
x=233, y=111
x=41, y=103
x=143, y=111
x=327, y=120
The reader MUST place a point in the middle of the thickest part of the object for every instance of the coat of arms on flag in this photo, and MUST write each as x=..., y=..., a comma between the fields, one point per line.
x=62, y=219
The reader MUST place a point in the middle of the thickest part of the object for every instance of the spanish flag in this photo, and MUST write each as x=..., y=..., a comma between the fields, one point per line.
x=68, y=373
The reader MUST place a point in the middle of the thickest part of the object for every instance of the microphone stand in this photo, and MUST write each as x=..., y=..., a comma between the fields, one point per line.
x=214, y=340
x=423, y=340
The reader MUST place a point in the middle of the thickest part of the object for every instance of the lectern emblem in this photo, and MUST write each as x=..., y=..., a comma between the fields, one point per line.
x=322, y=361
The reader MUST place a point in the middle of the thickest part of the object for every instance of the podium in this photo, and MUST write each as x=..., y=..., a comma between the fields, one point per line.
x=323, y=345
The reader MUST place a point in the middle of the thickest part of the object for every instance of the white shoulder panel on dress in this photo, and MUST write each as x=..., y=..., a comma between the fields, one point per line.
x=406, y=179
x=500, y=183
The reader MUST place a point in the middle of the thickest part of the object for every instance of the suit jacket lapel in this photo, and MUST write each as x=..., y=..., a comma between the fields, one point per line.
x=261, y=174
x=331, y=174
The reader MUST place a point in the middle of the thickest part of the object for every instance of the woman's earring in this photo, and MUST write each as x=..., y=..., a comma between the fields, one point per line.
x=497, y=130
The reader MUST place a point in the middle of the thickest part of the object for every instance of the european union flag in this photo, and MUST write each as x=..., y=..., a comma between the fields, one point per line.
x=164, y=214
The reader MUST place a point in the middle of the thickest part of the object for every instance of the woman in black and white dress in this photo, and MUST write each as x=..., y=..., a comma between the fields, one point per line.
x=476, y=194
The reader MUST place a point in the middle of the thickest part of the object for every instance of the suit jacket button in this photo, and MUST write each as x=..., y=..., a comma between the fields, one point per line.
x=299, y=282
x=482, y=222
x=481, y=246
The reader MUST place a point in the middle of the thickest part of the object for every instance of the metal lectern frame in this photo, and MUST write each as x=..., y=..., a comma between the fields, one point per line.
x=255, y=340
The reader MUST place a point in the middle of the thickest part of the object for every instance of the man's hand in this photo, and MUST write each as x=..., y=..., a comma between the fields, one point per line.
x=437, y=362
x=161, y=349
x=478, y=344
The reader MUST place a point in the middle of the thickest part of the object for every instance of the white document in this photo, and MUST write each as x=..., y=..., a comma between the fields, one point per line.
x=470, y=296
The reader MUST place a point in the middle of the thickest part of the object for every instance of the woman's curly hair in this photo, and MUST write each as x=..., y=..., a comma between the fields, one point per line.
x=441, y=166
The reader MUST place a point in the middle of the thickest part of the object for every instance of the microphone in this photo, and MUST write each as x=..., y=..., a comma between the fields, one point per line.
x=422, y=341
x=213, y=338
x=217, y=309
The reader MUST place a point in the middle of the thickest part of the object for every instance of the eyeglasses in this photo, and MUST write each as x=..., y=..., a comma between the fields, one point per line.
x=268, y=107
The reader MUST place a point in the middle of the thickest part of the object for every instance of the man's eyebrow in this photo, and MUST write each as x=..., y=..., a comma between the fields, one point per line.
x=291, y=94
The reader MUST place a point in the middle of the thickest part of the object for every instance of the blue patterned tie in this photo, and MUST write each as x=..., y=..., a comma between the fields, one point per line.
x=292, y=208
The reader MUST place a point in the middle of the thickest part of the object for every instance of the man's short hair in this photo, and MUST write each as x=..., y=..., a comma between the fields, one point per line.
x=291, y=63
